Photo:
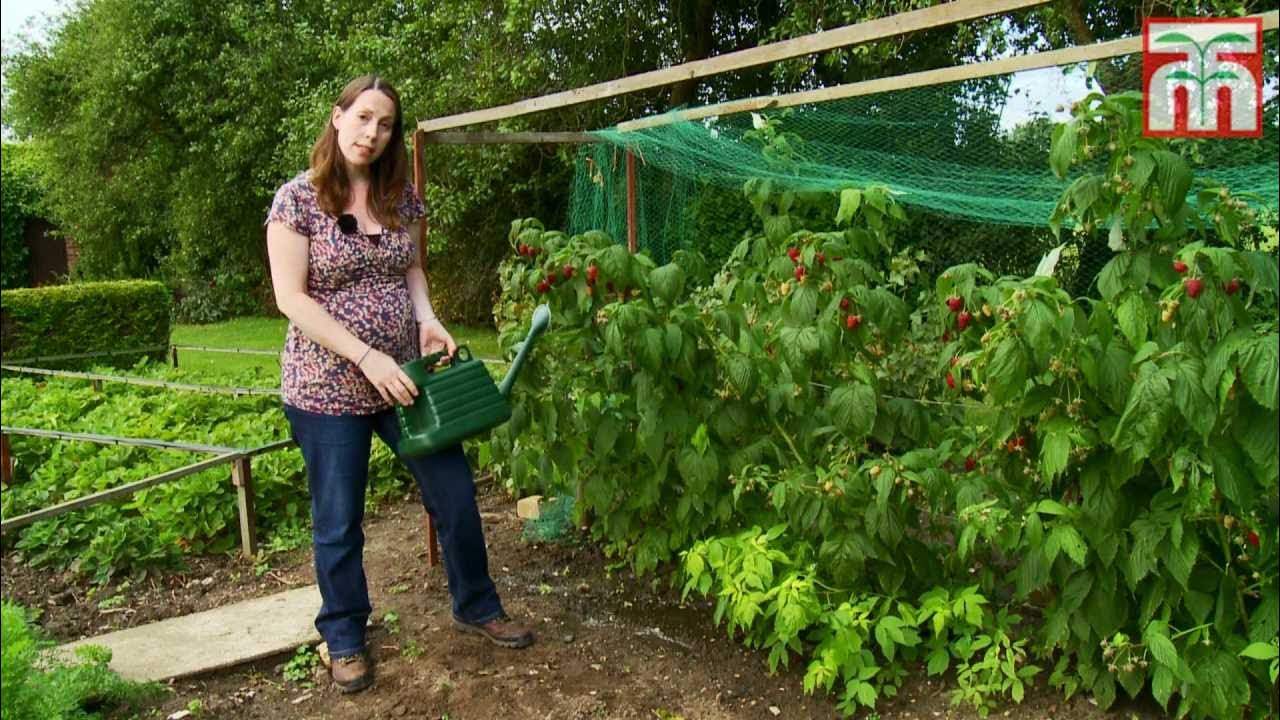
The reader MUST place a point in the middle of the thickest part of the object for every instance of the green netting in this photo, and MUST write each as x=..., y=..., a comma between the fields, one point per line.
x=978, y=188
x=554, y=523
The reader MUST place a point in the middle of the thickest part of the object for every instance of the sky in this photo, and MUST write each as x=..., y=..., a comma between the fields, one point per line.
x=14, y=18
x=15, y=13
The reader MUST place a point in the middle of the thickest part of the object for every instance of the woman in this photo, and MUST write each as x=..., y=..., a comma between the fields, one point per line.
x=342, y=240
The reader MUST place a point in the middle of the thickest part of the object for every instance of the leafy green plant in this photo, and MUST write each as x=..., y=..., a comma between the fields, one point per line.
x=868, y=485
x=153, y=528
x=39, y=685
x=301, y=667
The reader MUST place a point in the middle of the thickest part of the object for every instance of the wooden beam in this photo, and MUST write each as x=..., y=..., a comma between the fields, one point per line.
x=420, y=187
x=269, y=447
x=1034, y=61
x=939, y=15
x=507, y=138
x=242, y=479
x=129, y=489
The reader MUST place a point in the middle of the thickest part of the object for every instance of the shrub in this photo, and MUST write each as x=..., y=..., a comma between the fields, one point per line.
x=85, y=318
x=37, y=685
x=21, y=200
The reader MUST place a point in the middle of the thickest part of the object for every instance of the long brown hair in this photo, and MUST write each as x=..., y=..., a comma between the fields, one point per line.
x=386, y=174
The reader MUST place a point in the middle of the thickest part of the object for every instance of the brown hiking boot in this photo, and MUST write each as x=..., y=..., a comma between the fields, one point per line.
x=352, y=673
x=500, y=631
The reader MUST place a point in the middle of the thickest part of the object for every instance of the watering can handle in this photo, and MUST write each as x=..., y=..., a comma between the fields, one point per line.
x=430, y=361
x=541, y=318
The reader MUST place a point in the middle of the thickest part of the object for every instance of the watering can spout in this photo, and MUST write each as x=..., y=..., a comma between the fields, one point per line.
x=541, y=317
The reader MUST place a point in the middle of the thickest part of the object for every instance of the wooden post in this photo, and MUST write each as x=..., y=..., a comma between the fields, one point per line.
x=6, y=460
x=242, y=478
x=631, y=201
x=96, y=384
x=420, y=186
x=174, y=351
x=433, y=545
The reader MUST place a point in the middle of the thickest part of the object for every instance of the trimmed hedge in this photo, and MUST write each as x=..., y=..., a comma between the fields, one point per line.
x=86, y=318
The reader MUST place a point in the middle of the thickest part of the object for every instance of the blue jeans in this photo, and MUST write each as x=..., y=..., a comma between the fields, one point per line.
x=335, y=449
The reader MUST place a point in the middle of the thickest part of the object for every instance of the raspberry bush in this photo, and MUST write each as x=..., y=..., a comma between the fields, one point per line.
x=979, y=475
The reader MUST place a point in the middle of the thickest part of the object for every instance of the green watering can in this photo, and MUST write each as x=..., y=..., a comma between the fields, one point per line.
x=458, y=400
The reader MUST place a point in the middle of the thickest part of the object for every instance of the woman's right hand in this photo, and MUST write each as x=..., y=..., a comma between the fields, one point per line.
x=391, y=382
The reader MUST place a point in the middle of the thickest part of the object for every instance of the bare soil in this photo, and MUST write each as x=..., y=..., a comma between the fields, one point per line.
x=609, y=645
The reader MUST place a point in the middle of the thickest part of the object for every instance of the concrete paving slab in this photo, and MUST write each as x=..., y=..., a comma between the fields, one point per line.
x=213, y=639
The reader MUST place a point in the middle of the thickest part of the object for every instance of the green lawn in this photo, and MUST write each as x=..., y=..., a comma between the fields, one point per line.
x=267, y=333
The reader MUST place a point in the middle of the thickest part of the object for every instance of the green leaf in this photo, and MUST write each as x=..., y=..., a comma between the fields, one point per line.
x=802, y=305
x=1260, y=370
x=1258, y=432
x=1068, y=540
x=1132, y=315
x=742, y=373
x=1193, y=402
x=1173, y=177
x=1162, y=685
x=1111, y=278
x=1147, y=414
x=1264, y=269
x=1006, y=373
x=776, y=228
x=1157, y=639
x=1229, y=474
x=1063, y=147
x=850, y=199
x=1037, y=324
x=1261, y=651
x=1181, y=558
x=853, y=409
x=938, y=662
x=667, y=282
x=673, y=341
x=1055, y=452
x=606, y=436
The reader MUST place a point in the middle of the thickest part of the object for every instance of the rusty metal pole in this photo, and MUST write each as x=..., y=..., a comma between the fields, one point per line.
x=631, y=201
x=6, y=460
x=420, y=187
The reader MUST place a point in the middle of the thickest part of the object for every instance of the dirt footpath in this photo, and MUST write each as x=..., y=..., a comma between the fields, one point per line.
x=609, y=645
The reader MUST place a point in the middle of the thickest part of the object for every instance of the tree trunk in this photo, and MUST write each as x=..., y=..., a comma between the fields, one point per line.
x=696, y=18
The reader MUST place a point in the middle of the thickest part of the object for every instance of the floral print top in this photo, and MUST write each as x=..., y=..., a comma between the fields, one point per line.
x=360, y=281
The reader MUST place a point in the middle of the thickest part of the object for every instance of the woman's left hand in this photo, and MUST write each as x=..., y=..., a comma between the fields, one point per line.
x=432, y=337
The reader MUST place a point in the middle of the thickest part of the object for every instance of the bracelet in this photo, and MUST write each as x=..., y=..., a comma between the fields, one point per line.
x=367, y=350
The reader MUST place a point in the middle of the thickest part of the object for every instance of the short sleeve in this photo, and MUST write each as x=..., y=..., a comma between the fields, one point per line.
x=411, y=208
x=289, y=209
